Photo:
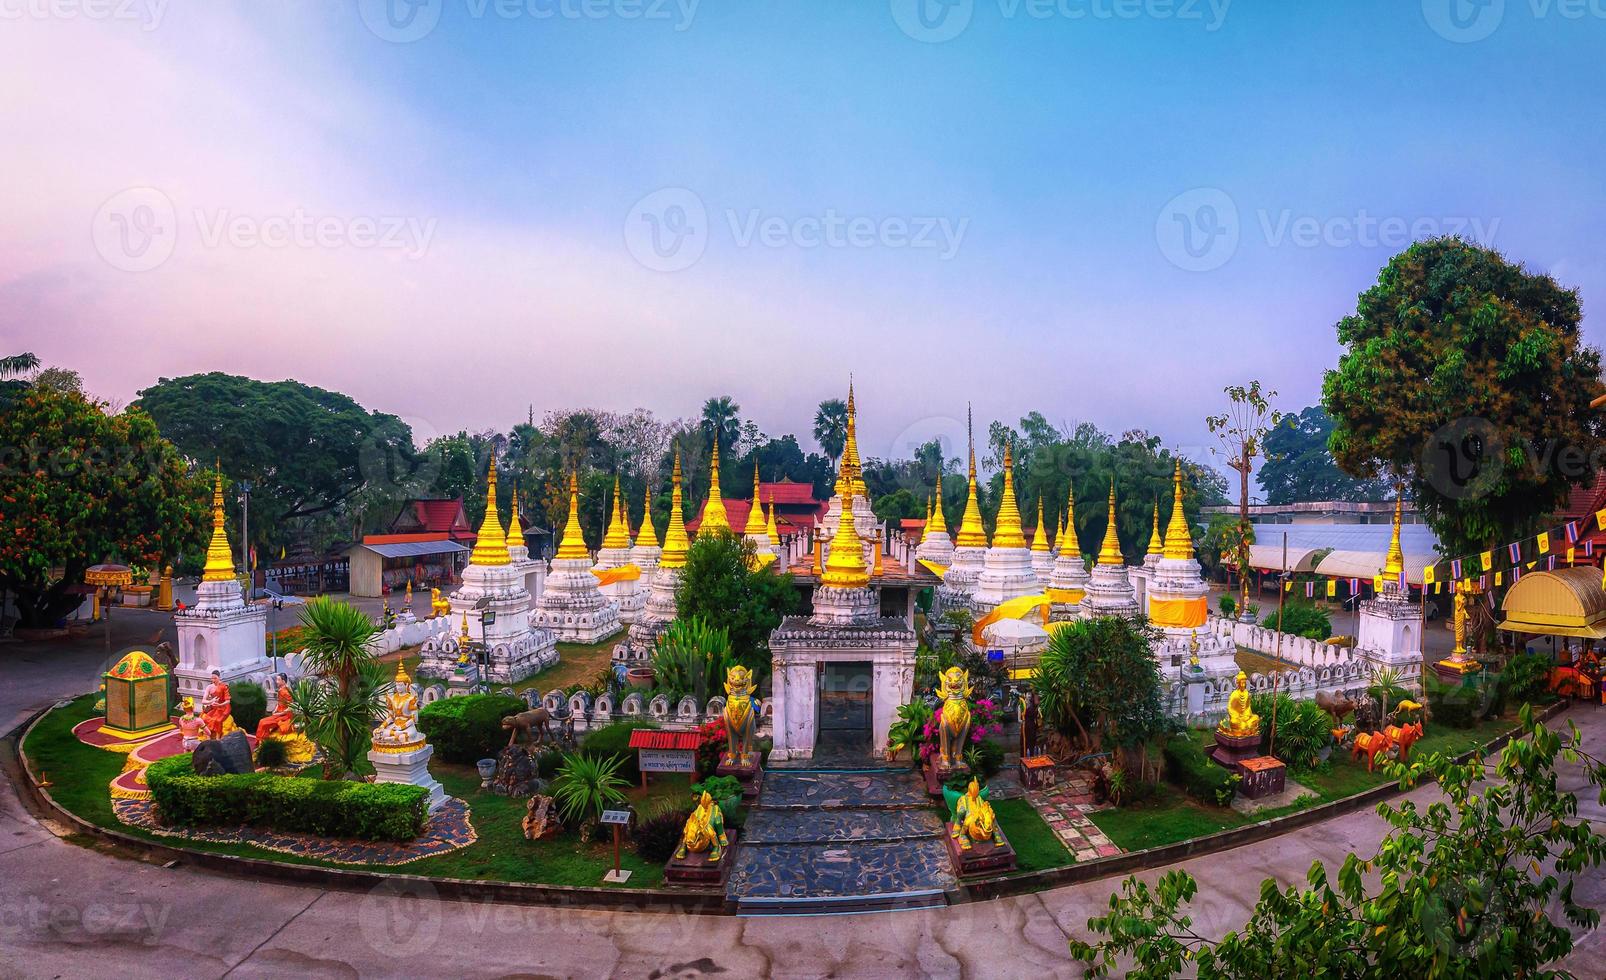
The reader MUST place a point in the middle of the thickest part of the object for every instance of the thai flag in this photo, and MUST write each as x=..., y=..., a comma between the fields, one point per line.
x=1589, y=547
x=1515, y=548
x=1551, y=565
x=1455, y=569
x=1354, y=586
x=1310, y=589
x=1572, y=532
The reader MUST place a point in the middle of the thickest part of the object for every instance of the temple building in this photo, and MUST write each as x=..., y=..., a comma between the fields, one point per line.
x=618, y=575
x=494, y=608
x=1109, y=592
x=221, y=631
x=1067, y=584
x=572, y=605
x=1007, y=571
x=661, y=607
x=1175, y=598
x=1388, y=632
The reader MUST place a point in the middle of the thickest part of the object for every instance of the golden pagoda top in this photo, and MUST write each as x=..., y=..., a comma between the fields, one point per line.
x=219, y=559
x=490, y=548
x=971, y=533
x=1178, y=537
x=646, y=535
x=515, y=527
x=1156, y=539
x=850, y=449
x=755, y=515
x=573, y=545
x=845, y=568
x=1068, y=533
x=676, y=544
x=1394, y=564
x=618, y=533
x=714, y=516
x=1110, y=552
x=1007, y=532
x=1040, y=536
x=939, y=522
x=772, y=531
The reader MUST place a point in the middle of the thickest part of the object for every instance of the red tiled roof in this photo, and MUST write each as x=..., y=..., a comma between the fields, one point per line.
x=1585, y=499
x=441, y=515
x=788, y=492
x=650, y=738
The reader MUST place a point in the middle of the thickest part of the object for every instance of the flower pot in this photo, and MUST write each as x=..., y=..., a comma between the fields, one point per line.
x=641, y=677
x=487, y=768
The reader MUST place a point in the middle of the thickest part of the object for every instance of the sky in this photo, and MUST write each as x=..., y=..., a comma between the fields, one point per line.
x=455, y=210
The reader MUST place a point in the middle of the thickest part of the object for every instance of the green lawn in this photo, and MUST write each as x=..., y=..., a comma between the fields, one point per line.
x=1164, y=818
x=1037, y=847
x=80, y=775
x=578, y=663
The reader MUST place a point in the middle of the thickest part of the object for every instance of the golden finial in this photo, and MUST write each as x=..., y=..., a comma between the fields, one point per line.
x=676, y=543
x=490, y=548
x=971, y=533
x=938, y=524
x=646, y=535
x=772, y=531
x=1395, y=562
x=573, y=545
x=1040, y=536
x=714, y=517
x=401, y=673
x=219, y=558
x=1156, y=541
x=618, y=533
x=1007, y=531
x=1178, y=537
x=515, y=526
x=1068, y=535
x=844, y=567
x=755, y=515
x=850, y=448
x=1110, y=553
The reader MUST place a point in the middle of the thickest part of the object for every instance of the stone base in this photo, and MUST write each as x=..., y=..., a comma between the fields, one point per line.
x=1457, y=672
x=1263, y=775
x=410, y=767
x=591, y=626
x=749, y=773
x=984, y=857
x=696, y=871
x=1291, y=793
x=1230, y=750
x=516, y=772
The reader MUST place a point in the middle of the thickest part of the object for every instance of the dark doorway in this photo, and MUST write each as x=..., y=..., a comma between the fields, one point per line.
x=844, y=722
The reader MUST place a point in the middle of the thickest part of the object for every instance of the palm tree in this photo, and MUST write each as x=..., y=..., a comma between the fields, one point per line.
x=339, y=701
x=12, y=386
x=722, y=421
x=831, y=426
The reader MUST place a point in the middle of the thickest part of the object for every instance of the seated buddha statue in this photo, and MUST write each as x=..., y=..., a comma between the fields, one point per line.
x=1241, y=720
x=705, y=831
x=974, y=820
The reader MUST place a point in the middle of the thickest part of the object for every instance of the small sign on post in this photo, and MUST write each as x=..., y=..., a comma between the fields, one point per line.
x=616, y=819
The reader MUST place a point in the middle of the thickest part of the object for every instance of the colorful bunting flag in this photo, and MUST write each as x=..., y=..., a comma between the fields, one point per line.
x=1544, y=543
x=1572, y=532
x=1455, y=567
x=1515, y=549
x=1310, y=589
x=1486, y=560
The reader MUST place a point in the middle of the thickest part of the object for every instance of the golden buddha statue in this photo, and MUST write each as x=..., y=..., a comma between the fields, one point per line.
x=974, y=819
x=705, y=831
x=400, y=728
x=1241, y=720
x=953, y=687
x=739, y=719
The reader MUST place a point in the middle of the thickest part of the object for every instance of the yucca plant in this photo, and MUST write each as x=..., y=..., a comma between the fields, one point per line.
x=1303, y=730
x=338, y=703
x=1386, y=688
x=691, y=657
x=585, y=786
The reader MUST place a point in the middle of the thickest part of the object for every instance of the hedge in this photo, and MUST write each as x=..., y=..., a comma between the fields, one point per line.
x=613, y=741
x=1187, y=765
x=248, y=704
x=469, y=728
x=326, y=808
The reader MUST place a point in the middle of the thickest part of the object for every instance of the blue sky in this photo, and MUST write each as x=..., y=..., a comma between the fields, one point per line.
x=1025, y=193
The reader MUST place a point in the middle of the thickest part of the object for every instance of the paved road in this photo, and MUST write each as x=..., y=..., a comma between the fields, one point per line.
x=70, y=910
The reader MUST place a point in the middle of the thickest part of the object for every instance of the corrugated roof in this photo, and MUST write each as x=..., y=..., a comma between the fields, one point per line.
x=1367, y=564
x=413, y=549
x=1415, y=539
x=649, y=738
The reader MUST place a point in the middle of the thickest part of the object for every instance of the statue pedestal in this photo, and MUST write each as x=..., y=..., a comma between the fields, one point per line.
x=410, y=766
x=697, y=871
x=937, y=774
x=1231, y=750
x=984, y=857
x=1263, y=775
x=1456, y=672
x=746, y=770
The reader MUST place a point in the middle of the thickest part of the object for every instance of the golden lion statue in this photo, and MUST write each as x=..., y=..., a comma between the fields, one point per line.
x=953, y=687
x=705, y=831
x=739, y=719
x=437, y=605
x=974, y=820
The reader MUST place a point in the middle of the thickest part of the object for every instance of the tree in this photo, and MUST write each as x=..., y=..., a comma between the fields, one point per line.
x=12, y=366
x=1218, y=549
x=831, y=426
x=1299, y=466
x=722, y=423
x=1460, y=888
x=1098, y=682
x=719, y=585
x=78, y=487
x=339, y=702
x=1466, y=376
x=1242, y=430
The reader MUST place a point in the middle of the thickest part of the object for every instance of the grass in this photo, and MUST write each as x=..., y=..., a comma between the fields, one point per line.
x=1037, y=847
x=578, y=663
x=81, y=773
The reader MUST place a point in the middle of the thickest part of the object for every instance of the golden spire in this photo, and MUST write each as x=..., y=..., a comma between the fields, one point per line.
x=1110, y=553
x=1178, y=536
x=1156, y=540
x=971, y=533
x=219, y=559
x=772, y=531
x=573, y=545
x=853, y=467
x=618, y=533
x=714, y=518
x=1395, y=563
x=515, y=527
x=675, y=541
x=937, y=524
x=490, y=548
x=1007, y=531
x=1040, y=536
x=1068, y=535
x=646, y=535
x=755, y=515
x=845, y=568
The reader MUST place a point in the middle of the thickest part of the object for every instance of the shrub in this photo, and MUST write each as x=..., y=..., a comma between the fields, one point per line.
x=1304, y=618
x=1301, y=734
x=692, y=657
x=1228, y=605
x=1452, y=704
x=1198, y=776
x=272, y=753
x=721, y=788
x=248, y=702
x=613, y=742
x=985, y=759
x=327, y=808
x=1526, y=678
x=659, y=835
x=585, y=786
x=468, y=728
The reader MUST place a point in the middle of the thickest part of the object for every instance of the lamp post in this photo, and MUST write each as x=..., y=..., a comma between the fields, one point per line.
x=245, y=531
x=108, y=580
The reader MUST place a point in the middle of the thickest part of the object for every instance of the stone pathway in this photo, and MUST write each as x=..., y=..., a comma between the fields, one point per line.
x=1065, y=807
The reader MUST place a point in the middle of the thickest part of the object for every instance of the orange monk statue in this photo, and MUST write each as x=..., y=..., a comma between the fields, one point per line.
x=279, y=722
x=217, y=715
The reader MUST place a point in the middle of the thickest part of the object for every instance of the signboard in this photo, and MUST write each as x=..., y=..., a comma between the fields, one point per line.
x=488, y=617
x=616, y=817
x=995, y=656
x=667, y=760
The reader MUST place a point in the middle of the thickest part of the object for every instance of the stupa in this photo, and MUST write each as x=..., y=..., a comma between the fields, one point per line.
x=1042, y=550
x=532, y=570
x=1388, y=630
x=1176, y=600
x=644, y=555
x=618, y=575
x=1007, y=571
x=660, y=609
x=1067, y=584
x=221, y=631
x=935, y=544
x=851, y=492
x=970, y=549
x=1156, y=549
x=492, y=584
x=757, y=530
x=572, y=605
x=1109, y=591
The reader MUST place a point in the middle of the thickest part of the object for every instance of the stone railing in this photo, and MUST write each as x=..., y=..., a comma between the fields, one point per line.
x=1350, y=676
x=590, y=713
x=1293, y=649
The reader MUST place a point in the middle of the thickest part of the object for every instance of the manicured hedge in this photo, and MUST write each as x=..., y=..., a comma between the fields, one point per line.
x=327, y=808
x=1187, y=765
x=469, y=728
x=248, y=704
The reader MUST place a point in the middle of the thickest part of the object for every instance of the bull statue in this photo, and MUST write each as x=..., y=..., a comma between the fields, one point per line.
x=953, y=687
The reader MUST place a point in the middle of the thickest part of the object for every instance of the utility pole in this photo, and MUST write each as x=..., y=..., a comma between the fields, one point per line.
x=1277, y=671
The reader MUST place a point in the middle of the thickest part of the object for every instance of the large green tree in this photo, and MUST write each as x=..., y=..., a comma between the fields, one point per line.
x=719, y=585
x=79, y=486
x=1299, y=465
x=1464, y=375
